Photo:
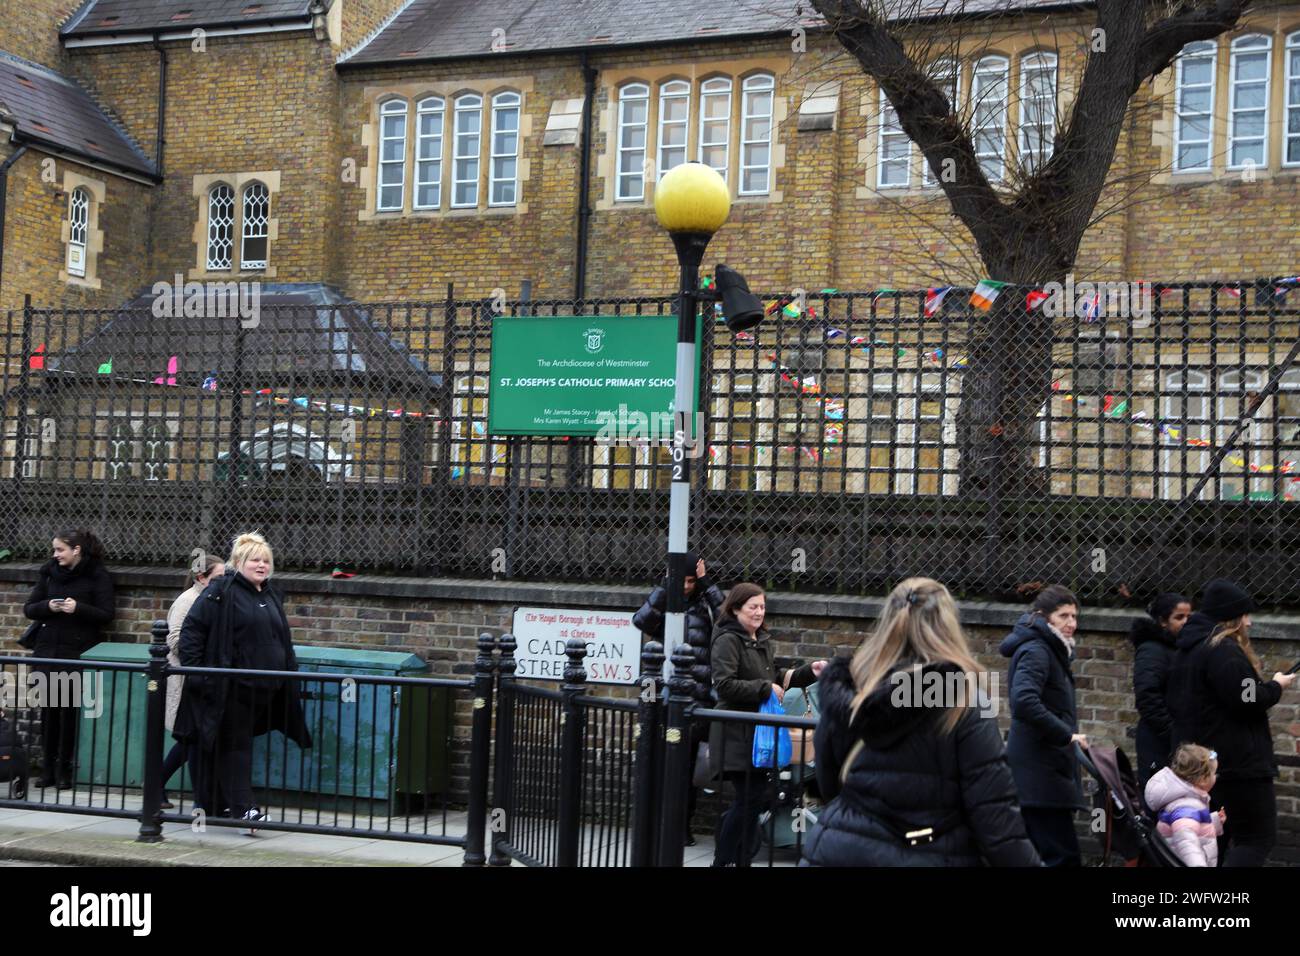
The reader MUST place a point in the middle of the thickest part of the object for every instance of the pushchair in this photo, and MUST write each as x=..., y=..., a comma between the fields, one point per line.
x=1130, y=829
x=791, y=808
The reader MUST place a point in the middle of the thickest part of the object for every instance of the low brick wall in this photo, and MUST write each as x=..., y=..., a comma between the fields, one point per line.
x=440, y=621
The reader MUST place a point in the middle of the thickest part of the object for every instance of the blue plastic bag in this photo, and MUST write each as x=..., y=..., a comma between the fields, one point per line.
x=770, y=742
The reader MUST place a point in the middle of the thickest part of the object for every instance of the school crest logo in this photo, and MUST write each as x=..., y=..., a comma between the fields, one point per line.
x=595, y=339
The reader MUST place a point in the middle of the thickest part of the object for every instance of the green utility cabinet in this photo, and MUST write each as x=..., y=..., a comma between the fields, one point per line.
x=114, y=740
x=369, y=740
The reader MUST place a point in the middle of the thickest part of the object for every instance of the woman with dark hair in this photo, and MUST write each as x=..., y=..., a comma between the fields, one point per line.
x=745, y=676
x=201, y=574
x=1044, y=723
x=1219, y=699
x=893, y=760
x=72, y=601
x=1154, y=638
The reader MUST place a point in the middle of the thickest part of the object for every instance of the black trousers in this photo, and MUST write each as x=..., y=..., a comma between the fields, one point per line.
x=174, y=760
x=1250, y=831
x=59, y=737
x=1051, y=831
x=738, y=832
x=223, y=775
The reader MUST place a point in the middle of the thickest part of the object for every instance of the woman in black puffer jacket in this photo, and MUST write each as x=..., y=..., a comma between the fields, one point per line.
x=907, y=745
x=1154, y=638
x=72, y=602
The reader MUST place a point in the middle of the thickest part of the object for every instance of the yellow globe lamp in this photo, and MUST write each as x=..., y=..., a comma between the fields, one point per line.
x=692, y=198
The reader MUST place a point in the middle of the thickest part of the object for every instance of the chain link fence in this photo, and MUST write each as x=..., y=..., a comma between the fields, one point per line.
x=1118, y=444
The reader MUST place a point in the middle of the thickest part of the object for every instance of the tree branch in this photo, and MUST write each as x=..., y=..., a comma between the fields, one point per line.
x=1165, y=38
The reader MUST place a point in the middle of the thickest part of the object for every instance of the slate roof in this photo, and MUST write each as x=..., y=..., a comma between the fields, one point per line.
x=107, y=17
x=453, y=29
x=306, y=334
x=50, y=110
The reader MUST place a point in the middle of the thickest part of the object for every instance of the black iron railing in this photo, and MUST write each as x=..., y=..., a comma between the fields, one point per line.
x=847, y=444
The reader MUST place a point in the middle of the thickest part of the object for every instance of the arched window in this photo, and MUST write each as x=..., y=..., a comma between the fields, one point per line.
x=674, y=123
x=78, y=230
x=121, y=450
x=503, y=173
x=1194, y=106
x=894, y=169
x=633, y=115
x=1291, y=150
x=989, y=106
x=221, y=227
x=465, y=155
x=392, y=156
x=1251, y=64
x=256, y=219
x=1037, y=109
x=946, y=74
x=430, y=113
x=756, y=134
x=154, y=451
x=715, y=123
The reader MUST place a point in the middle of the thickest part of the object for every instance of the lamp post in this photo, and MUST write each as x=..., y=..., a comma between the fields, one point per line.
x=691, y=202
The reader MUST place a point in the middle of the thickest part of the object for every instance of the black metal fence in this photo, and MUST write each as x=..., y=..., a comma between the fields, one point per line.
x=850, y=439
x=377, y=764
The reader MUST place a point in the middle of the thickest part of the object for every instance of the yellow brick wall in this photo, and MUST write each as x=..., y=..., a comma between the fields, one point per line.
x=30, y=29
x=34, y=251
x=276, y=103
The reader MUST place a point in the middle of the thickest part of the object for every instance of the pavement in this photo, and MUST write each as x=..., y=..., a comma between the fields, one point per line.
x=41, y=836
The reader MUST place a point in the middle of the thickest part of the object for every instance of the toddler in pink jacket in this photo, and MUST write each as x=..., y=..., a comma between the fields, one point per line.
x=1179, y=795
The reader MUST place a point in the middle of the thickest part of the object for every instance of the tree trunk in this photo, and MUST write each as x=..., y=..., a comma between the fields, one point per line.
x=1006, y=382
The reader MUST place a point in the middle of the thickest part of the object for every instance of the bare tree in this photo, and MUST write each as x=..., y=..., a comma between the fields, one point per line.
x=1027, y=230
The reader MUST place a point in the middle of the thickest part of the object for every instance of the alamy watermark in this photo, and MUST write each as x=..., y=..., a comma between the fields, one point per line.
x=1091, y=300
x=945, y=690
x=40, y=688
x=208, y=300
x=629, y=427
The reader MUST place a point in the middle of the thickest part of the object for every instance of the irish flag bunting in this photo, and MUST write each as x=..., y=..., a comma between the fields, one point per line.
x=934, y=300
x=986, y=294
x=1035, y=298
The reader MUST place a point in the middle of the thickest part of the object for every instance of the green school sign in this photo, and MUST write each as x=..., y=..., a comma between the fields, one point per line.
x=584, y=375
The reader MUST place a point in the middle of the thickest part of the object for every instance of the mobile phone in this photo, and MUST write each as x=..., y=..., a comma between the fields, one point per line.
x=1295, y=668
x=58, y=602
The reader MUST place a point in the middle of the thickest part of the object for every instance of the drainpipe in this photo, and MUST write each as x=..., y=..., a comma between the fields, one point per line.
x=160, y=142
x=162, y=105
x=4, y=192
x=584, y=178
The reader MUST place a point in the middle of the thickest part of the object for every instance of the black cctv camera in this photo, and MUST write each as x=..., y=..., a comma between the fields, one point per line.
x=740, y=308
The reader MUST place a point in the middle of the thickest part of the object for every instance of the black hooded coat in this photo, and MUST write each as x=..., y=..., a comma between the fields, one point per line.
x=908, y=775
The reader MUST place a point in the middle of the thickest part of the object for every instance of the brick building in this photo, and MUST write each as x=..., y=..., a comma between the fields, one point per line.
x=376, y=151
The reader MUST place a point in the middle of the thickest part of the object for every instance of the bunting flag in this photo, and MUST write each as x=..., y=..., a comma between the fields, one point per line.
x=791, y=311
x=36, y=360
x=1035, y=298
x=210, y=383
x=106, y=368
x=934, y=300
x=1230, y=290
x=986, y=294
x=834, y=333
x=1092, y=308
x=173, y=364
x=877, y=293
x=744, y=337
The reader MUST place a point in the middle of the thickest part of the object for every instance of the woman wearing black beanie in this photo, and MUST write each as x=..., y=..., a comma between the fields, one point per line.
x=1154, y=638
x=1219, y=699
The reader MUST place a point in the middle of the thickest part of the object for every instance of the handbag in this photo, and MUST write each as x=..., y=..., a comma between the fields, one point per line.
x=28, y=640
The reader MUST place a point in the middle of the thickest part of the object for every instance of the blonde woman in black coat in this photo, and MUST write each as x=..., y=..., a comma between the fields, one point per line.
x=895, y=759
